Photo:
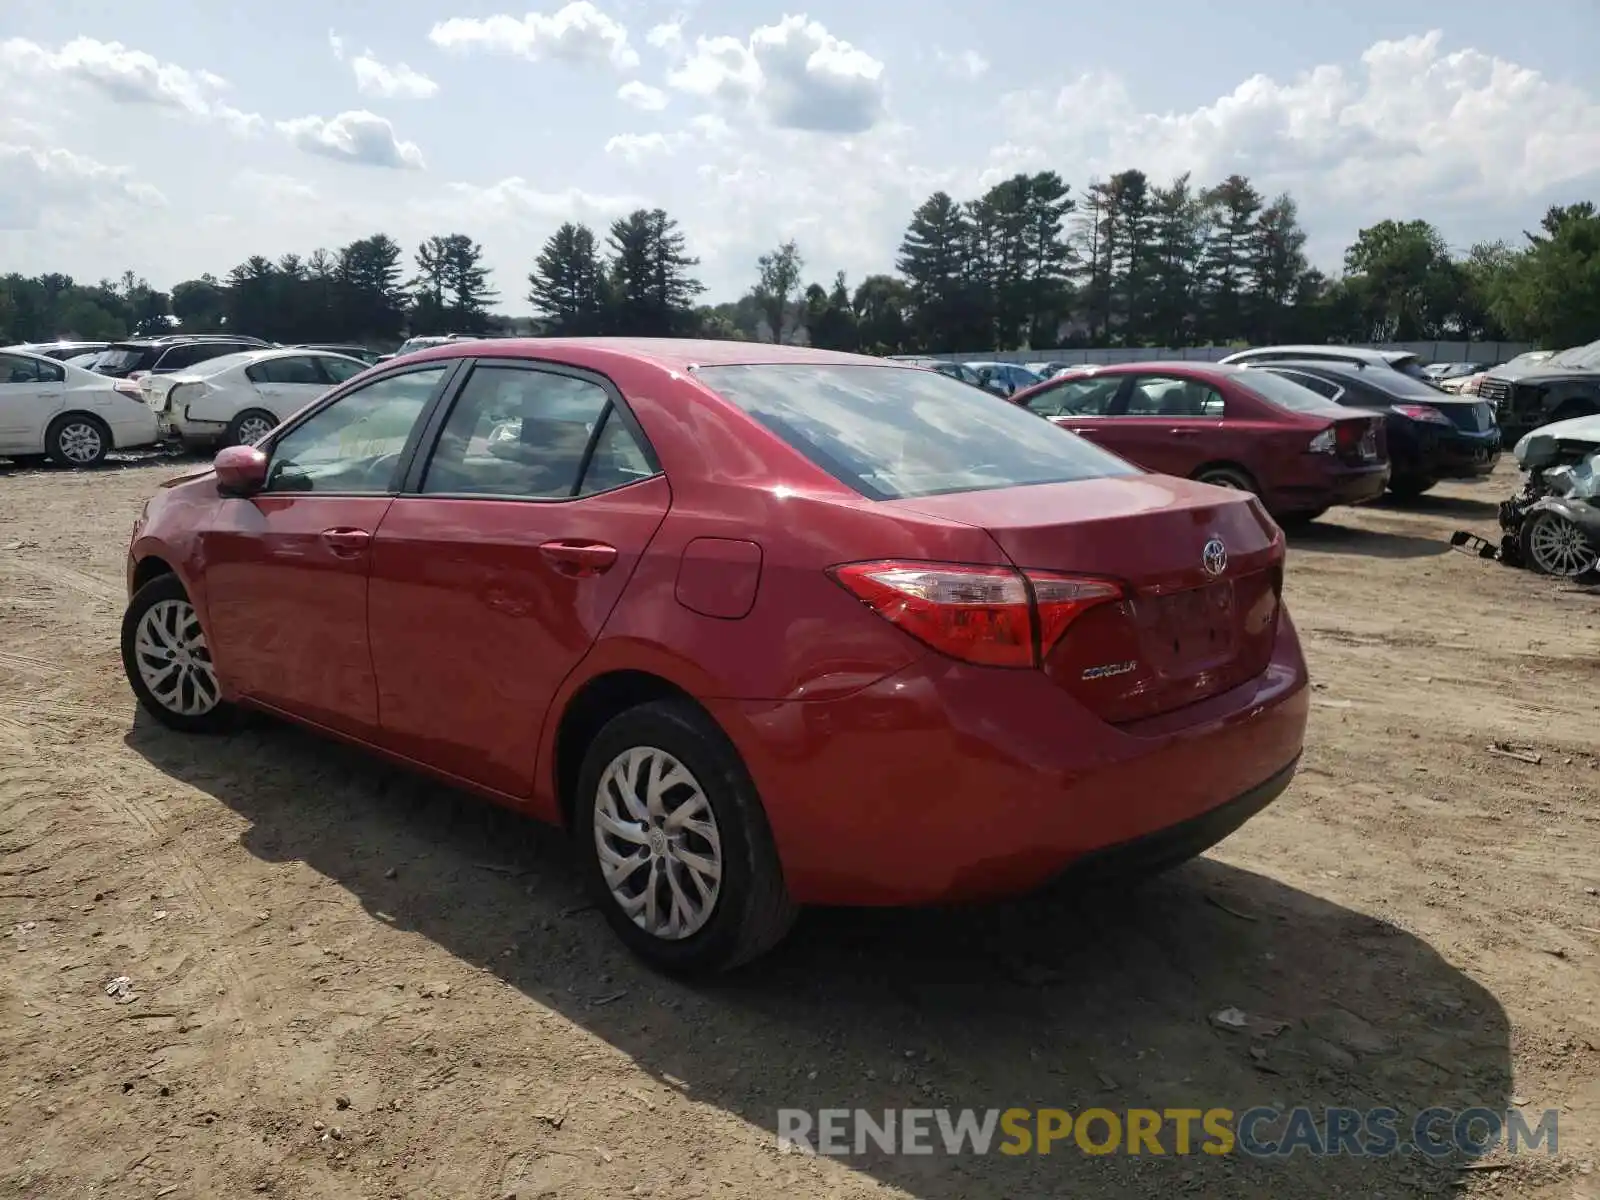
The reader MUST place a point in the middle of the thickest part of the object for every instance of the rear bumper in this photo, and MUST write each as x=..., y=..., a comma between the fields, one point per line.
x=1450, y=455
x=946, y=782
x=1320, y=483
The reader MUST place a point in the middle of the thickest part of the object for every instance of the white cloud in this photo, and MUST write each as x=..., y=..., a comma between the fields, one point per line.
x=398, y=82
x=666, y=36
x=795, y=73
x=336, y=44
x=515, y=202
x=354, y=137
x=273, y=188
x=37, y=184
x=578, y=33
x=642, y=96
x=127, y=76
x=636, y=147
x=1413, y=128
x=968, y=64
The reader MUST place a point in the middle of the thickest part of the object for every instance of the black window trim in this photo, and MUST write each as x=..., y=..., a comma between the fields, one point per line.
x=453, y=368
x=416, y=465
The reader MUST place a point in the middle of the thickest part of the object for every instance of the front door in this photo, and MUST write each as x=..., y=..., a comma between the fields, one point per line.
x=494, y=572
x=286, y=569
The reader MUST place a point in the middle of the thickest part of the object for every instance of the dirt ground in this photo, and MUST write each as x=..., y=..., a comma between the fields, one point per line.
x=351, y=983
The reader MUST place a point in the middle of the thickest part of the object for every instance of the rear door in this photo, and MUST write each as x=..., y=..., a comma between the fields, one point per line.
x=494, y=571
x=1167, y=422
x=286, y=385
x=31, y=392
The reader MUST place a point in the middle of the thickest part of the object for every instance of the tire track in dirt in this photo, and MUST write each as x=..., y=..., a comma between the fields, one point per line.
x=70, y=579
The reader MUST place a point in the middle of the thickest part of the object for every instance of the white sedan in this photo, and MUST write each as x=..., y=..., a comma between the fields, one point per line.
x=74, y=416
x=238, y=398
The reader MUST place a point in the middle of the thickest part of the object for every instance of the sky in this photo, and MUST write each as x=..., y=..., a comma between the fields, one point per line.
x=175, y=137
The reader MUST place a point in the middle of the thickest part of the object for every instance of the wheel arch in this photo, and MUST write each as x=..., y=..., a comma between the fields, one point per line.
x=595, y=702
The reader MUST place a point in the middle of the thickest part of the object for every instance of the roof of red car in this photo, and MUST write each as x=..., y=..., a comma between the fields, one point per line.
x=673, y=353
x=1197, y=366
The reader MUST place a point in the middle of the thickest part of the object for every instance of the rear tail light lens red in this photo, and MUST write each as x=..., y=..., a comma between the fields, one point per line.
x=1421, y=412
x=993, y=616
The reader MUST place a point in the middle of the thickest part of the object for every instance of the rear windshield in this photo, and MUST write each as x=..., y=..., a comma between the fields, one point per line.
x=221, y=363
x=894, y=432
x=1587, y=357
x=1285, y=393
x=1410, y=365
x=122, y=358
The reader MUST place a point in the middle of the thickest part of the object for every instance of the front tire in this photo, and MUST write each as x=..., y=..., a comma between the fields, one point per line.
x=167, y=661
x=249, y=427
x=1553, y=545
x=675, y=843
x=77, y=440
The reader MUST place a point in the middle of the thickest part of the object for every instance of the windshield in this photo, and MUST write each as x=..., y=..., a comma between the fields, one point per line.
x=1585, y=357
x=1531, y=358
x=1275, y=389
x=892, y=432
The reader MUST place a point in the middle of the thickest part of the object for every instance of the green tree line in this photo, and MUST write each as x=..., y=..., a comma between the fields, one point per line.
x=1128, y=262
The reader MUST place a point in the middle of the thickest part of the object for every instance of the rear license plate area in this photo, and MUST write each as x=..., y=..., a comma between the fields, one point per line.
x=1188, y=631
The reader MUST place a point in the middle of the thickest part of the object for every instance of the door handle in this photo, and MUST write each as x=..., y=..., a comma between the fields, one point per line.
x=346, y=542
x=579, y=560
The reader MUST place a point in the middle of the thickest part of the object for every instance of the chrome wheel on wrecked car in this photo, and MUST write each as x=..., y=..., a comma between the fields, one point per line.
x=1553, y=545
x=659, y=847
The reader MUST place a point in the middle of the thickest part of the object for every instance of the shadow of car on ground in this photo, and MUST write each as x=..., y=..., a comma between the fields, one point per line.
x=1328, y=536
x=1106, y=1000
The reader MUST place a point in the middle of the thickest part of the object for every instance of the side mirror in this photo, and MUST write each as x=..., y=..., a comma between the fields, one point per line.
x=241, y=471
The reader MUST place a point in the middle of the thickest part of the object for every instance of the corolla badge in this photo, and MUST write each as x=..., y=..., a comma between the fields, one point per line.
x=1214, y=557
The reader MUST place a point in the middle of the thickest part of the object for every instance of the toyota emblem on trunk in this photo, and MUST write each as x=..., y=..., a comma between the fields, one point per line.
x=1214, y=557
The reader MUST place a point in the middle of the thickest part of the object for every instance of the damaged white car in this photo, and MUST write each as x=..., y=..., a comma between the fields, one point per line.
x=1553, y=524
x=238, y=398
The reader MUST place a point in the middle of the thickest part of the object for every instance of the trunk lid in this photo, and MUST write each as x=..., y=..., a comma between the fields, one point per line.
x=1193, y=623
x=1467, y=415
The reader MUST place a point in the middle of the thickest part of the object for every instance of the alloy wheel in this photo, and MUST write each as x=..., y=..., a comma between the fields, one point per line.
x=1558, y=547
x=80, y=442
x=253, y=429
x=173, y=660
x=659, y=846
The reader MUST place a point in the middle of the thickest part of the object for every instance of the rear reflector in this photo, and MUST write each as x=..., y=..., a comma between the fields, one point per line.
x=993, y=616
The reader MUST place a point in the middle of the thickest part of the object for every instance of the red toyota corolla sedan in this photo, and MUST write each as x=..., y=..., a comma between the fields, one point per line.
x=764, y=626
x=1301, y=453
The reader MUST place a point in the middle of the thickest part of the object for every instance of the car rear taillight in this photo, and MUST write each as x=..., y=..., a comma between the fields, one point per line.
x=1420, y=412
x=994, y=616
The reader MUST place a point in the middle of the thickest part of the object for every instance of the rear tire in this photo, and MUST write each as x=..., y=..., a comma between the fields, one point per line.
x=77, y=440
x=167, y=661
x=249, y=427
x=646, y=858
x=1409, y=487
x=1228, y=477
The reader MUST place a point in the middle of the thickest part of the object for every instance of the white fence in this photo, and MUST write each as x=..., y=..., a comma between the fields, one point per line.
x=1428, y=352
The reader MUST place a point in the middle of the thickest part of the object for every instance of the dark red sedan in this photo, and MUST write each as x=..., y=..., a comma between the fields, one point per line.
x=1302, y=454
x=764, y=626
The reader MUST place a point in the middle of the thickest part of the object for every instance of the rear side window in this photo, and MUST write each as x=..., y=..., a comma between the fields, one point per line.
x=521, y=433
x=1168, y=396
x=1325, y=388
x=1285, y=393
x=338, y=370
x=892, y=432
x=297, y=369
